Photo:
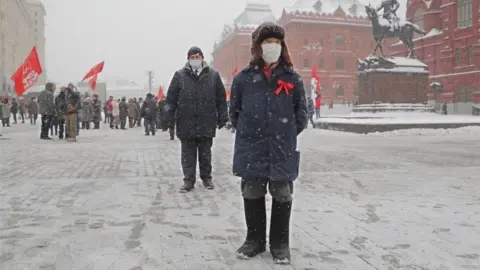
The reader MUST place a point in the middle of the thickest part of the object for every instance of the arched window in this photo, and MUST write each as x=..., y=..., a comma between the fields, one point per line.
x=340, y=91
x=339, y=64
x=419, y=19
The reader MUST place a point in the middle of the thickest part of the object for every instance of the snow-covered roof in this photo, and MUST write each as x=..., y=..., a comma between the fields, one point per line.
x=391, y=64
x=255, y=14
x=406, y=62
x=350, y=7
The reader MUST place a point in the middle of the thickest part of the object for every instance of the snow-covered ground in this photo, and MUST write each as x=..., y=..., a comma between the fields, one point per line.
x=390, y=201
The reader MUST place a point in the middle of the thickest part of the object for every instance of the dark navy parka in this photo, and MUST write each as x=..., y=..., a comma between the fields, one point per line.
x=267, y=124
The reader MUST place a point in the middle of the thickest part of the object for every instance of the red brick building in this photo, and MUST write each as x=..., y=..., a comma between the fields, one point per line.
x=330, y=34
x=451, y=47
x=233, y=50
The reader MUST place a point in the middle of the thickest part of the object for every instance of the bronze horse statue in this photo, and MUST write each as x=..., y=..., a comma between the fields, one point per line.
x=403, y=30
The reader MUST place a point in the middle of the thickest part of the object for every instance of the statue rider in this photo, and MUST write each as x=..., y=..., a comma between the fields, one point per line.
x=390, y=8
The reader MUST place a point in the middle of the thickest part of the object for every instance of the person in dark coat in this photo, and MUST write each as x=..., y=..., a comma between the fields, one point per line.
x=33, y=111
x=268, y=110
x=97, y=111
x=123, y=106
x=196, y=100
x=311, y=111
x=60, y=106
x=160, y=110
x=14, y=110
x=148, y=112
x=47, y=109
x=139, y=117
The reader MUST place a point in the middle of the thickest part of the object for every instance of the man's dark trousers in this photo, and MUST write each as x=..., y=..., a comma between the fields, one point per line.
x=46, y=123
x=191, y=148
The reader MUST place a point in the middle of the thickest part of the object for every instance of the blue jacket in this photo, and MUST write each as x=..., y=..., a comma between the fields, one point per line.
x=267, y=124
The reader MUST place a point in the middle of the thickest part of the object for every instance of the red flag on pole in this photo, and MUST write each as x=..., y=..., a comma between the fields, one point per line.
x=27, y=74
x=315, y=81
x=235, y=71
x=93, y=82
x=94, y=70
x=160, y=95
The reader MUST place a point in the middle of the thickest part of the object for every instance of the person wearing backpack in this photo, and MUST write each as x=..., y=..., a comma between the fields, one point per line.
x=268, y=110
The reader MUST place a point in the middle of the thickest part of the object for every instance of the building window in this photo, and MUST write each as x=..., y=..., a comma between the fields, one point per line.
x=458, y=57
x=321, y=43
x=339, y=41
x=340, y=91
x=355, y=90
x=339, y=64
x=464, y=94
x=306, y=64
x=464, y=13
x=419, y=19
x=305, y=42
x=471, y=59
x=321, y=63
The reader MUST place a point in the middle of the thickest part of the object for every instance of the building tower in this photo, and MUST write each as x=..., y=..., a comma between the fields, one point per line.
x=38, y=13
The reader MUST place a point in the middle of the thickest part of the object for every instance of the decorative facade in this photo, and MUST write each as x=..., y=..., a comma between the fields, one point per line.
x=37, y=13
x=16, y=39
x=330, y=34
x=233, y=50
x=451, y=47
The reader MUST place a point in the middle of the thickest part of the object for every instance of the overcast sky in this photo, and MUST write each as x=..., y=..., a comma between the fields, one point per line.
x=134, y=36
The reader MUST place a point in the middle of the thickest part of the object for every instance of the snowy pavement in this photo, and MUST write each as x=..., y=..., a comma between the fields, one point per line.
x=110, y=201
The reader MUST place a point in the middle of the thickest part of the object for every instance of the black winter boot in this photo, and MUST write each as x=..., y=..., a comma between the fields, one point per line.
x=187, y=186
x=256, y=219
x=279, y=232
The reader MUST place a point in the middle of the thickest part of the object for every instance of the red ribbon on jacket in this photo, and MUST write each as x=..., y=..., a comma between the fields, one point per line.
x=285, y=86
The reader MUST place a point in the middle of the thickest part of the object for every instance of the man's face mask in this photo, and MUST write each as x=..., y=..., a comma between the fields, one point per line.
x=195, y=63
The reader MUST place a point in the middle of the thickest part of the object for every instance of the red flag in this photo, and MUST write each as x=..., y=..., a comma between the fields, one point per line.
x=235, y=71
x=27, y=74
x=160, y=95
x=93, y=82
x=315, y=80
x=94, y=70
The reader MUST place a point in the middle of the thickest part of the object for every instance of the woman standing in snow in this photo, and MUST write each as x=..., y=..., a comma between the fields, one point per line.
x=268, y=111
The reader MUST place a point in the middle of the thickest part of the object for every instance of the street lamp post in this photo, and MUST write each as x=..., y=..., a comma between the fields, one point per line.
x=150, y=80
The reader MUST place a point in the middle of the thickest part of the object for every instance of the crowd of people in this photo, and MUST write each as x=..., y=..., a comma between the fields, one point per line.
x=12, y=110
x=67, y=112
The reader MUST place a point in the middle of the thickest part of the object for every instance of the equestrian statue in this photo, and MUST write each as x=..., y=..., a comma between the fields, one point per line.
x=395, y=28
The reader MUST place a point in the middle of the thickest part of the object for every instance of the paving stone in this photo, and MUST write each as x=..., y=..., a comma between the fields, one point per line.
x=111, y=201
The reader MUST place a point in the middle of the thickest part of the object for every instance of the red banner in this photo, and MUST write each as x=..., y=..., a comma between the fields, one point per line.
x=160, y=95
x=27, y=74
x=94, y=70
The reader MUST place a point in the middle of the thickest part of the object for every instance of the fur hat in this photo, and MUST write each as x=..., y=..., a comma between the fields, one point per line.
x=267, y=30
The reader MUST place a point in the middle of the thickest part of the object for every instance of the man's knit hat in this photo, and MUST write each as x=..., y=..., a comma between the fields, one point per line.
x=194, y=50
x=267, y=30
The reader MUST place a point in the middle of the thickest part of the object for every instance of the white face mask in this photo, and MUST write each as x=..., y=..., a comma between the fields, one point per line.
x=271, y=52
x=195, y=63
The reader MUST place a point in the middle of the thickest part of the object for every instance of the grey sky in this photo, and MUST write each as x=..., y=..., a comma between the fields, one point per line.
x=134, y=36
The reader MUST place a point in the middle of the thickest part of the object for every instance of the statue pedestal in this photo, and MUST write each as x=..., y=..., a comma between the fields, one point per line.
x=391, y=80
